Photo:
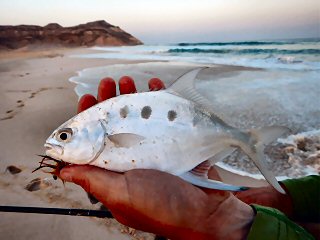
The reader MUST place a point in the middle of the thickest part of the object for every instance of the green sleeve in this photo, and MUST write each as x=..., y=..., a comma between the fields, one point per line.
x=305, y=195
x=271, y=224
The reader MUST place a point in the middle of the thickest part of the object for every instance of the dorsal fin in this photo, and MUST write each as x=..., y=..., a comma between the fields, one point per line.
x=185, y=81
x=184, y=86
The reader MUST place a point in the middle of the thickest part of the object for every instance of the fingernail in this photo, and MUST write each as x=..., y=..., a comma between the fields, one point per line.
x=126, y=85
x=66, y=174
x=107, y=89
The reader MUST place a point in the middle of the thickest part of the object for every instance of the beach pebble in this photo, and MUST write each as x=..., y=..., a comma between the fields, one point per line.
x=13, y=169
x=37, y=184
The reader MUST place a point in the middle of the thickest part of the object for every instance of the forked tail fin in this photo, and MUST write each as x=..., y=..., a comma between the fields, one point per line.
x=259, y=138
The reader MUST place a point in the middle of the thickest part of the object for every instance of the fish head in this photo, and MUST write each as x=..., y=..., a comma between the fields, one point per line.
x=76, y=142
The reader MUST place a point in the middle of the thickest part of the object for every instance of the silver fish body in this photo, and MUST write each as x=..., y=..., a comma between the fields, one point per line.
x=167, y=133
x=172, y=130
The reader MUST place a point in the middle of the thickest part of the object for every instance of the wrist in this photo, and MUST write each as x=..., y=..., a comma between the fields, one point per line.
x=237, y=220
x=284, y=201
x=231, y=220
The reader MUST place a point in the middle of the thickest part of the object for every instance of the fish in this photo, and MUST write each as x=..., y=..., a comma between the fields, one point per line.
x=175, y=130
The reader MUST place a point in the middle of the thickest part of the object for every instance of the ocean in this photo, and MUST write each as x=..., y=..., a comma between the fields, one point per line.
x=300, y=54
x=280, y=85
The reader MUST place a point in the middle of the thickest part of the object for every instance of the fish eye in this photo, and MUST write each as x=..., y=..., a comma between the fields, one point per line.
x=64, y=135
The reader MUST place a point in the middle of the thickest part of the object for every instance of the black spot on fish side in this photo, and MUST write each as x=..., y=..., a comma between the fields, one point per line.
x=172, y=115
x=124, y=111
x=146, y=112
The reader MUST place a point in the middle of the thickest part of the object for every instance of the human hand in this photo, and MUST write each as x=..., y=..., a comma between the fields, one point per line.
x=156, y=201
x=164, y=204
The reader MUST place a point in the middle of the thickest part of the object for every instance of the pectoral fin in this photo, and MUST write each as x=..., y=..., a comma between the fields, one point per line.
x=202, y=181
x=125, y=140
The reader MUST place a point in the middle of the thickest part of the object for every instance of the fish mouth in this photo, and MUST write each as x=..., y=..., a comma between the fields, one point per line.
x=51, y=163
x=53, y=147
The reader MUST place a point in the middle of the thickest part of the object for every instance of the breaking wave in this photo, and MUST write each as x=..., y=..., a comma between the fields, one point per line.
x=246, y=43
x=246, y=51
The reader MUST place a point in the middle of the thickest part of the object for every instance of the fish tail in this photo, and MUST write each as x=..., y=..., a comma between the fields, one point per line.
x=257, y=140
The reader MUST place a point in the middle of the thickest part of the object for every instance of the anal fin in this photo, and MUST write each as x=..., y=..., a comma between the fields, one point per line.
x=202, y=169
x=202, y=181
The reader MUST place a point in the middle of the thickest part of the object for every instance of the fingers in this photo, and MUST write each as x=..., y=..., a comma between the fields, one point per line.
x=85, y=102
x=107, y=89
x=108, y=187
x=155, y=84
x=126, y=85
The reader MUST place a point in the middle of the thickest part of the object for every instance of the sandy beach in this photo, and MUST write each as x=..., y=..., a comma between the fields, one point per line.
x=36, y=97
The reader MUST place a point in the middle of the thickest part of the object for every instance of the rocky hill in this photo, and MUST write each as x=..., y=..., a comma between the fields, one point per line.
x=98, y=33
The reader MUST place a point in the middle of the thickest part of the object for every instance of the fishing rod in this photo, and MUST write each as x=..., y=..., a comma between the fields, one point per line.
x=58, y=211
x=63, y=211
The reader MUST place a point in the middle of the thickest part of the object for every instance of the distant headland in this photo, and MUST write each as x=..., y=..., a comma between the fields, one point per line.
x=97, y=33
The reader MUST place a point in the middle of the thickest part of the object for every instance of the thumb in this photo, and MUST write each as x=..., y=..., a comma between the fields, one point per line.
x=108, y=187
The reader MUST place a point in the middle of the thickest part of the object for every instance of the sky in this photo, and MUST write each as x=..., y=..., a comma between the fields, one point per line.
x=172, y=21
